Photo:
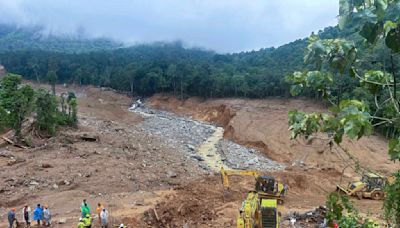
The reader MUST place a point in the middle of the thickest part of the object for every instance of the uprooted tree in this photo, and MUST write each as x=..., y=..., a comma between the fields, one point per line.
x=333, y=60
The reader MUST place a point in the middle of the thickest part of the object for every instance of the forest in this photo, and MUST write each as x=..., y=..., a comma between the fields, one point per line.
x=165, y=67
x=172, y=68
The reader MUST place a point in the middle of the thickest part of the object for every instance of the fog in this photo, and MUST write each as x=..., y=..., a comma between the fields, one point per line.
x=221, y=25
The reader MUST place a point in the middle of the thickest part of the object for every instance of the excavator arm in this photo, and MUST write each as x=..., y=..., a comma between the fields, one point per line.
x=226, y=173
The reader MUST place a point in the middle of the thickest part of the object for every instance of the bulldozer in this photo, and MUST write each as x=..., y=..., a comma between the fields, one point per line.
x=370, y=186
x=260, y=208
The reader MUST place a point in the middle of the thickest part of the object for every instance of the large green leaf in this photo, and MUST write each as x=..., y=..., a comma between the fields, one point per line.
x=380, y=8
x=371, y=31
x=393, y=39
x=344, y=13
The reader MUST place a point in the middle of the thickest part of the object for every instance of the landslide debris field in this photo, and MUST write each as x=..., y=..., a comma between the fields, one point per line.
x=157, y=165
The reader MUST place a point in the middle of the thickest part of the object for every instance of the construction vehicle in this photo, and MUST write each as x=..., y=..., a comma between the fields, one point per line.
x=258, y=212
x=265, y=186
x=260, y=208
x=370, y=186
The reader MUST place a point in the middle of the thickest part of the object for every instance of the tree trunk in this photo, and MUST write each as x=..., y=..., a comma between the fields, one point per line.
x=132, y=86
x=53, y=89
x=394, y=78
x=37, y=77
x=181, y=89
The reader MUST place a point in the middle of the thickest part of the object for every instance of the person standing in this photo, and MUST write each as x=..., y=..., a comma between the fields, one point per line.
x=11, y=218
x=38, y=214
x=85, y=209
x=26, y=215
x=47, y=215
x=81, y=224
x=87, y=221
x=104, y=218
x=99, y=209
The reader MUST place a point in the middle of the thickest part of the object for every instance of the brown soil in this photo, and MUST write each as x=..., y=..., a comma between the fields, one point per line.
x=126, y=168
x=313, y=169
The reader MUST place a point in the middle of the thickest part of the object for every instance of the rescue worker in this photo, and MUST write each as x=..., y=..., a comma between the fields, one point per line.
x=87, y=221
x=46, y=216
x=81, y=224
x=26, y=215
x=11, y=218
x=104, y=218
x=85, y=209
x=38, y=214
x=99, y=209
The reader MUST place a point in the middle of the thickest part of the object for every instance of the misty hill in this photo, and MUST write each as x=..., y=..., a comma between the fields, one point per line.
x=170, y=67
x=14, y=38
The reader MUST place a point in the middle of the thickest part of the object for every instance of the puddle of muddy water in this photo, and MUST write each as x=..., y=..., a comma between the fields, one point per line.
x=208, y=150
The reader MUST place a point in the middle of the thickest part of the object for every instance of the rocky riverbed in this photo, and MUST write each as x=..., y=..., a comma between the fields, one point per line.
x=190, y=136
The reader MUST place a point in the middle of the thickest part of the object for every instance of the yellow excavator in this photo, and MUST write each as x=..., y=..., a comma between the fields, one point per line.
x=370, y=186
x=260, y=208
x=266, y=186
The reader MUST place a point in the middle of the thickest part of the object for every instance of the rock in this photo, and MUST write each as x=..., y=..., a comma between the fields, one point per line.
x=197, y=157
x=191, y=147
x=46, y=166
x=55, y=186
x=62, y=221
x=14, y=161
x=34, y=183
x=252, y=161
x=139, y=202
x=171, y=174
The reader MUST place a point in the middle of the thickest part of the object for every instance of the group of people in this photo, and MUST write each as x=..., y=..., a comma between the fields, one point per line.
x=41, y=214
x=85, y=221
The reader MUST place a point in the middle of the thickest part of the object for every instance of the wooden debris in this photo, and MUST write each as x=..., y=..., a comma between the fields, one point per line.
x=12, y=143
x=155, y=213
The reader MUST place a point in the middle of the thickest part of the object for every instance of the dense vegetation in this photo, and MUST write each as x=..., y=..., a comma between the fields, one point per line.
x=168, y=67
x=377, y=105
x=20, y=102
x=14, y=38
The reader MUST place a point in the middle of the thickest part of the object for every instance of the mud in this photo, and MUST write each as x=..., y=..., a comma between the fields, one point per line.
x=143, y=165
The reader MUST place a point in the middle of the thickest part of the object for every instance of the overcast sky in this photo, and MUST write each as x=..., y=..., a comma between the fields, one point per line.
x=221, y=25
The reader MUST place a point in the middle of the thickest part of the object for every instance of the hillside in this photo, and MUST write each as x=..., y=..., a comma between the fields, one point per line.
x=14, y=38
x=142, y=163
x=170, y=67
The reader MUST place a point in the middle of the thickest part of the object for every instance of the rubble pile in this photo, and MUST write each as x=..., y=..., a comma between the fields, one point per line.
x=316, y=217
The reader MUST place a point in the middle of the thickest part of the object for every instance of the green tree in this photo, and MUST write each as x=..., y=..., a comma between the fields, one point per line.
x=15, y=102
x=72, y=109
x=377, y=22
x=46, y=112
x=52, y=78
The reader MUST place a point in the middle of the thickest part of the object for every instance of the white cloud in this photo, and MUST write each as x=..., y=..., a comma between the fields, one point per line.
x=223, y=25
